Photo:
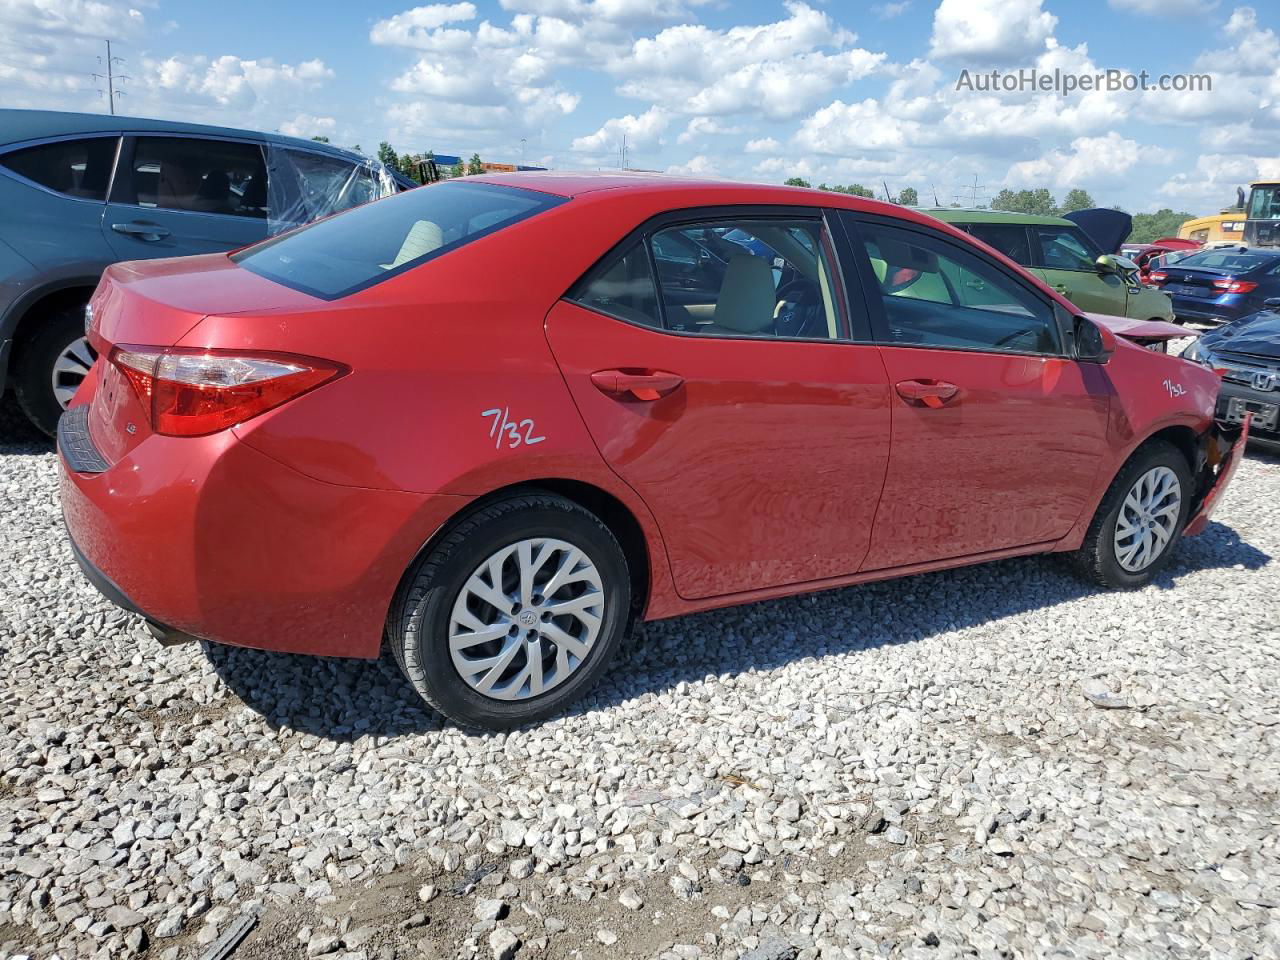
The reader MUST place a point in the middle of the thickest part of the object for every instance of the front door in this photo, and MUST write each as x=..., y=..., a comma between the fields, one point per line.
x=1065, y=260
x=176, y=196
x=750, y=424
x=997, y=436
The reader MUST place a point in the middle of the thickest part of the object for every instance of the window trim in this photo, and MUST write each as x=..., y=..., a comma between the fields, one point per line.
x=123, y=174
x=850, y=326
x=880, y=327
x=17, y=145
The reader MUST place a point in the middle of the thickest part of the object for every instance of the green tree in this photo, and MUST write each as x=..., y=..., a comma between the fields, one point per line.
x=457, y=170
x=358, y=149
x=1039, y=202
x=320, y=138
x=796, y=182
x=474, y=165
x=388, y=155
x=853, y=189
x=1077, y=199
x=908, y=197
x=1148, y=227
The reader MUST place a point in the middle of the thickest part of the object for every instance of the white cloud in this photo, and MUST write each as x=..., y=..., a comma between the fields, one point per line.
x=699, y=127
x=229, y=81
x=767, y=145
x=990, y=31
x=643, y=132
x=629, y=12
x=1162, y=8
x=414, y=27
x=307, y=125
x=1212, y=184
x=1101, y=160
x=888, y=11
x=779, y=69
x=697, y=166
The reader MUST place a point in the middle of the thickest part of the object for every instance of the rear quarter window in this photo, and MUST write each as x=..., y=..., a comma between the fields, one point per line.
x=342, y=255
x=76, y=168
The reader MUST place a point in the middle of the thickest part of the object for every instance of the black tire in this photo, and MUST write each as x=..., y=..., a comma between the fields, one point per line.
x=33, y=366
x=1096, y=559
x=421, y=613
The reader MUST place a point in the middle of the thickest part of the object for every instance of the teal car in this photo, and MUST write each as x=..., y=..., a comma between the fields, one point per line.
x=1064, y=256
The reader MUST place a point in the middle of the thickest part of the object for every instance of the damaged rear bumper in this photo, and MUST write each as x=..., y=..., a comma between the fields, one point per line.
x=1223, y=447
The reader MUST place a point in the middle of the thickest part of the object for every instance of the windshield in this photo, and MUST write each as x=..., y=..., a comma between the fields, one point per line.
x=343, y=254
x=1225, y=260
x=1264, y=203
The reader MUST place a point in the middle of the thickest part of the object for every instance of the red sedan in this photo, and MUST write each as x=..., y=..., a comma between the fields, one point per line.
x=495, y=421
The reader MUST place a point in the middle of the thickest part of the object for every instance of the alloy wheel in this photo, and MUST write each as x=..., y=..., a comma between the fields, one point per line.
x=1148, y=518
x=70, y=369
x=526, y=619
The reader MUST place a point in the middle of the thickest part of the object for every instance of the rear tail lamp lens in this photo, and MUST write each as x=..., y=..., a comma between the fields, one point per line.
x=1232, y=285
x=191, y=393
x=1157, y=276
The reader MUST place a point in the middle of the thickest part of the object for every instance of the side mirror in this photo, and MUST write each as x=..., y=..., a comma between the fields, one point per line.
x=1094, y=344
x=1107, y=264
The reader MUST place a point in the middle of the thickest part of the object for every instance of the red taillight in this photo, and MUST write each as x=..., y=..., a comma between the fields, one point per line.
x=1157, y=276
x=191, y=393
x=1232, y=285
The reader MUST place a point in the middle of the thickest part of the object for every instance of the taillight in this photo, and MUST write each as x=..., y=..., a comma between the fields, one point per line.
x=1232, y=285
x=191, y=393
x=1157, y=276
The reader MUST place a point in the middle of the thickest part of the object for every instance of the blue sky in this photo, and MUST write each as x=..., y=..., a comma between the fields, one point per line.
x=759, y=90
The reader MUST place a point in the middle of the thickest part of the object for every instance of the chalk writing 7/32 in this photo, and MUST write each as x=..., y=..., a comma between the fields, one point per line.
x=505, y=428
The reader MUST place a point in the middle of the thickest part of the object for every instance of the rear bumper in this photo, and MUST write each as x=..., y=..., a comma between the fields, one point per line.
x=209, y=537
x=1224, y=447
x=1208, y=311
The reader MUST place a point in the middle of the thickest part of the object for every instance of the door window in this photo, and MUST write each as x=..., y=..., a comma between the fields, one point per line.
x=1010, y=239
x=937, y=295
x=748, y=278
x=1064, y=248
x=624, y=289
x=77, y=168
x=201, y=176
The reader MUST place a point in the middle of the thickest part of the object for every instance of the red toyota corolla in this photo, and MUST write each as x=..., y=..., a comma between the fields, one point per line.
x=496, y=420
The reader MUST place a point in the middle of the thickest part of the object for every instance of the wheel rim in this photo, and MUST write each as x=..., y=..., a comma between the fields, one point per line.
x=526, y=619
x=1148, y=518
x=70, y=369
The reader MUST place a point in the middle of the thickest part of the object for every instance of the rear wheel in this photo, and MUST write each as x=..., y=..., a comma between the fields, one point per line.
x=51, y=365
x=514, y=614
x=1140, y=520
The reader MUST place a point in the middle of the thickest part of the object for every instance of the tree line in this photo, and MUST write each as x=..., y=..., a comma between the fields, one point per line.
x=1147, y=227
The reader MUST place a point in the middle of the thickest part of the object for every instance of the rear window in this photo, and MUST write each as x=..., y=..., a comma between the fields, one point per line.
x=1226, y=260
x=339, y=256
x=77, y=168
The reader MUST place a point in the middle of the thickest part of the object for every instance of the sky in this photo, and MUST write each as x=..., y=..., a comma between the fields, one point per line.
x=760, y=90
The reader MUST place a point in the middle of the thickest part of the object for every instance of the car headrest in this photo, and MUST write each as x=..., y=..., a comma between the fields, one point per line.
x=747, y=295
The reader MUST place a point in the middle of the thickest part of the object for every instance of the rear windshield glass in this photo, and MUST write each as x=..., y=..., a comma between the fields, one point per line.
x=1226, y=260
x=339, y=256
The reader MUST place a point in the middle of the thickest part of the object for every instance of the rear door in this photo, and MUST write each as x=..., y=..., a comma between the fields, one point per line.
x=997, y=435
x=1064, y=258
x=754, y=423
x=175, y=196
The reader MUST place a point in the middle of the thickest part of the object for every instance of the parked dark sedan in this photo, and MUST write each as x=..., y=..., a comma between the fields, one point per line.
x=1247, y=354
x=1217, y=286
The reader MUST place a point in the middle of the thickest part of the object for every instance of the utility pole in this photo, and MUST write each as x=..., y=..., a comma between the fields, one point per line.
x=623, y=151
x=111, y=77
x=973, y=199
x=522, y=141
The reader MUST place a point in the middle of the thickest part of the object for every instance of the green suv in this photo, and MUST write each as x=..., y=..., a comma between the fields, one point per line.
x=1066, y=258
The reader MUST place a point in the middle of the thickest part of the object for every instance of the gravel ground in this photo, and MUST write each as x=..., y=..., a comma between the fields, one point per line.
x=993, y=762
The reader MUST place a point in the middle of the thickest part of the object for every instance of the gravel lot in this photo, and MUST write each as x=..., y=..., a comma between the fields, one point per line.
x=995, y=762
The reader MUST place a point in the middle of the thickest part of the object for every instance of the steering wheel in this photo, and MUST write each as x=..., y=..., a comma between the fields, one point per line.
x=801, y=301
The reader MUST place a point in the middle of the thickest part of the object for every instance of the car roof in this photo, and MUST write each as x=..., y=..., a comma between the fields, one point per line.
x=680, y=191
x=970, y=215
x=23, y=125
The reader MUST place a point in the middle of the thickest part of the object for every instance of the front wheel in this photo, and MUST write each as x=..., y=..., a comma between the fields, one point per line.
x=1140, y=519
x=514, y=614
